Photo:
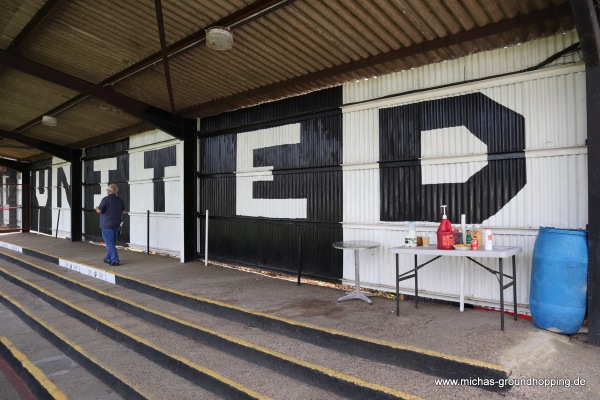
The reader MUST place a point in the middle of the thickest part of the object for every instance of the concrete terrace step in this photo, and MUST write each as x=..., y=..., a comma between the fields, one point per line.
x=315, y=382
x=125, y=371
x=355, y=364
x=436, y=364
x=21, y=379
x=67, y=365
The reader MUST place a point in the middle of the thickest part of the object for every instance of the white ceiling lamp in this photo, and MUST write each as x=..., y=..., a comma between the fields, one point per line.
x=219, y=38
x=49, y=120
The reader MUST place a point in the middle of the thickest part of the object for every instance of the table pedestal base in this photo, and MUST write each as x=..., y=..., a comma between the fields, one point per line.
x=364, y=296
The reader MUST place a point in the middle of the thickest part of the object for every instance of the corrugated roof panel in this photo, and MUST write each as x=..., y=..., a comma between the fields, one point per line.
x=273, y=53
x=15, y=16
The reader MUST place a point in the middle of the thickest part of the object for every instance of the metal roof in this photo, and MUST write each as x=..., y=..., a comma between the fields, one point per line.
x=98, y=66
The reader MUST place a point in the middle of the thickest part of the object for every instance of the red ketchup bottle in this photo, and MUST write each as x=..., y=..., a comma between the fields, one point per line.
x=445, y=234
x=474, y=244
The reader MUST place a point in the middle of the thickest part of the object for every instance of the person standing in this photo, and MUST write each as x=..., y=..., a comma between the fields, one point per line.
x=111, y=210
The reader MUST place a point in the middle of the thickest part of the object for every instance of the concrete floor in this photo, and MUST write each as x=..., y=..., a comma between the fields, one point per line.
x=543, y=364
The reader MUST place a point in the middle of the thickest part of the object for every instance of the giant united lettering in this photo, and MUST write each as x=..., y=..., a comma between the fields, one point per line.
x=404, y=194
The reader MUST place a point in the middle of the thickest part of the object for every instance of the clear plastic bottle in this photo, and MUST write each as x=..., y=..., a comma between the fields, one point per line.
x=410, y=240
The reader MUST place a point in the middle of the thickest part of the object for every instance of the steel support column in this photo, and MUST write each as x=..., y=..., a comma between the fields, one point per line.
x=593, y=141
x=588, y=29
x=190, y=184
x=76, y=197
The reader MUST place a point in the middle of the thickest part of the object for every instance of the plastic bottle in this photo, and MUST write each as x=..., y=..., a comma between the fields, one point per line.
x=410, y=240
x=478, y=234
x=488, y=239
x=445, y=234
x=458, y=236
x=469, y=234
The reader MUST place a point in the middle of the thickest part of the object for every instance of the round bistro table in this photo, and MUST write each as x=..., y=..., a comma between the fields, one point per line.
x=356, y=246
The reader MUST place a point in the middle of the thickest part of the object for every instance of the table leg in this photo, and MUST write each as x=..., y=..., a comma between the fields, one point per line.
x=501, y=295
x=356, y=293
x=462, y=286
x=397, y=287
x=416, y=283
x=514, y=281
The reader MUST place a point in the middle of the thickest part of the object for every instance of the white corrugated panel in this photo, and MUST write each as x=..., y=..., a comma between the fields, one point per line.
x=165, y=226
x=361, y=194
x=552, y=102
x=476, y=66
x=61, y=216
x=361, y=137
x=152, y=138
x=166, y=233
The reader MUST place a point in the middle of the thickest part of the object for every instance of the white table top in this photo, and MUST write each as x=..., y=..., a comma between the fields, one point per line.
x=355, y=245
x=432, y=250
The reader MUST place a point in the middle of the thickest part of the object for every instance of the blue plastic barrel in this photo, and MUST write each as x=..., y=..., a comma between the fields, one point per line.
x=557, y=298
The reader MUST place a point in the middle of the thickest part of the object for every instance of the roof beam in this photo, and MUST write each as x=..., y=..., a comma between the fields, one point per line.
x=175, y=126
x=165, y=54
x=243, y=16
x=51, y=148
x=586, y=22
x=15, y=165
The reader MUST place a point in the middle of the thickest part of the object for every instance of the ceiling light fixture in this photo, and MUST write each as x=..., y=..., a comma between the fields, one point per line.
x=49, y=120
x=219, y=38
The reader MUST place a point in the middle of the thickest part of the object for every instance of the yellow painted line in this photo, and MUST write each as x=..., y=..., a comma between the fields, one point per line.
x=393, y=345
x=323, y=370
x=139, y=339
x=37, y=373
x=71, y=344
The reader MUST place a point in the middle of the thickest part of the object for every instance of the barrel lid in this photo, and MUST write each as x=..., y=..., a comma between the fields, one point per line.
x=559, y=231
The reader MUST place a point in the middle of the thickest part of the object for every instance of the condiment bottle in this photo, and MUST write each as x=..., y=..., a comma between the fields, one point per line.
x=488, y=239
x=478, y=234
x=445, y=234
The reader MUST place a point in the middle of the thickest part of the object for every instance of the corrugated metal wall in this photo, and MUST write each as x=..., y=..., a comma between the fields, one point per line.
x=104, y=164
x=272, y=182
x=61, y=197
x=283, y=181
x=147, y=170
x=41, y=197
x=509, y=152
x=11, y=197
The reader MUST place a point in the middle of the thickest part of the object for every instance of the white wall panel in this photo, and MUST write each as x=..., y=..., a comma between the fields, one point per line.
x=361, y=137
x=553, y=105
x=61, y=215
x=154, y=138
x=555, y=194
x=361, y=193
x=476, y=66
x=165, y=233
x=165, y=227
